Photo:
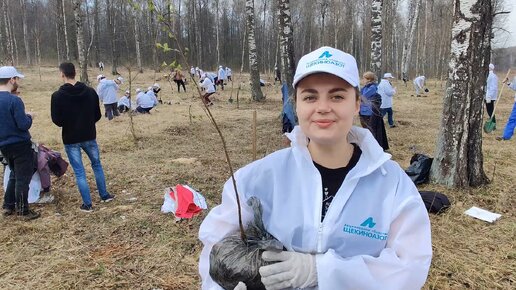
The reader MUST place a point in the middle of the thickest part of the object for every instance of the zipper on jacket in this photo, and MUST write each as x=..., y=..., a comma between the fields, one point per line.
x=319, y=238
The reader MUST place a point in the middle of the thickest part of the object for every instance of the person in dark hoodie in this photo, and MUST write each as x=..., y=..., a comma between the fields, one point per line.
x=370, y=113
x=75, y=108
x=15, y=145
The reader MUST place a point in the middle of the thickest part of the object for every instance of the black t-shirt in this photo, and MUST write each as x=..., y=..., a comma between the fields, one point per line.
x=332, y=178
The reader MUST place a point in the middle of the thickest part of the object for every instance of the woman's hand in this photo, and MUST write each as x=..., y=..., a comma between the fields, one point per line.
x=292, y=270
x=240, y=286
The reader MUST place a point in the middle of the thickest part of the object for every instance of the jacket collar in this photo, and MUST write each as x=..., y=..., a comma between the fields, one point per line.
x=372, y=157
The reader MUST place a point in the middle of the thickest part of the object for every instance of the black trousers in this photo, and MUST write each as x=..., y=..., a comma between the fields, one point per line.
x=490, y=109
x=179, y=84
x=23, y=163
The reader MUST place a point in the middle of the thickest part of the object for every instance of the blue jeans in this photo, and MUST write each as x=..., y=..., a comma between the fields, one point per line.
x=74, y=155
x=388, y=111
x=511, y=124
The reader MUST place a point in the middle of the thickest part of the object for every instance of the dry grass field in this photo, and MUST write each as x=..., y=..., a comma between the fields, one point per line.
x=129, y=244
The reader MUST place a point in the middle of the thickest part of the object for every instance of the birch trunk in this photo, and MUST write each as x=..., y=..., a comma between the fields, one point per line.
x=217, y=28
x=65, y=29
x=409, y=39
x=256, y=90
x=458, y=159
x=10, y=54
x=376, y=37
x=137, y=41
x=286, y=34
x=23, y=5
x=80, y=41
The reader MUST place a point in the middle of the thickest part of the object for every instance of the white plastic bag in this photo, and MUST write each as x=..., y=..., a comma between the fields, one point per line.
x=169, y=205
x=34, y=186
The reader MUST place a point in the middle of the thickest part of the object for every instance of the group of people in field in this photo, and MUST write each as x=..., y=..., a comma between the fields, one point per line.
x=346, y=214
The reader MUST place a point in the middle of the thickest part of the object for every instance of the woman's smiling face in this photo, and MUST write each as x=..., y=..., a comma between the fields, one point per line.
x=326, y=106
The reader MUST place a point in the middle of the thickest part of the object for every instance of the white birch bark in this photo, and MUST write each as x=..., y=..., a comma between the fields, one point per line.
x=256, y=90
x=376, y=37
x=80, y=41
x=65, y=29
x=409, y=39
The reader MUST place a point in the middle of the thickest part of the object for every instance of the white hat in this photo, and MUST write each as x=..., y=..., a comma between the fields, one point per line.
x=138, y=90
x=7, y=72
x=120, y=79
x=149, y=88
x=491, y=66
x=127, y=92
x=388, y=76
x=99, y=77
x=156, y=85
x=328, y=60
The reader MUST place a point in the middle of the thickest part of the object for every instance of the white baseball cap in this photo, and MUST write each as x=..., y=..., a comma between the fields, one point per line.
x=99, y=77
x=7, y=72
x=491, y=66
x=328, y=60
x=138, y=90
x=388, y=76
x=120, y=79
x=156, y=85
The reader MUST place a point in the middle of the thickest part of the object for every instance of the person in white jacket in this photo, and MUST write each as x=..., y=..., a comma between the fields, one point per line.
x=387, y=91
x=229, y=73
x=419, y=85
x=145, y=101
x=192, y=71
x=347, y=215
x=209, y=89
x=221, y=77
x=107, y=91
x=124, y=104
x=491, y=92
x=508, y=132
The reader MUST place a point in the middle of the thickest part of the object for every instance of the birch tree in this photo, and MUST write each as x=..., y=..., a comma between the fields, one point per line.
x=256, y=90
x=65, y=29
x=409, y=39
x=83, y=64
x=458, y=159
x=23, y=5
x=376, y=37
x=286, y=35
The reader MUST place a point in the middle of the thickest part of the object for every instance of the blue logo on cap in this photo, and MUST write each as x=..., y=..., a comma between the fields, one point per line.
x=326, y=54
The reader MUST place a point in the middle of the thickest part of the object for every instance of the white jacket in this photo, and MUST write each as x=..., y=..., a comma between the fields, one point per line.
x=207, y=84
x=375, y=235
x=124, y=101
x=107, y=90
x=386, y=90
x=146, y=100
x=222, y=74
x=492, y=86
x=512, y=85
x=228, y=72
x=419, y=82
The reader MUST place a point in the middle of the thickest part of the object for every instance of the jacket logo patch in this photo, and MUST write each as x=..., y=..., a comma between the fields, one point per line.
x=366, y=229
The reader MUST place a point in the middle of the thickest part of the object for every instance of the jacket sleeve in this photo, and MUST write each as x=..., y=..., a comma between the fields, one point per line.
x=23, y=121
x=55, y=112
x=389, y=90
x=219, y=223
x=403, y=264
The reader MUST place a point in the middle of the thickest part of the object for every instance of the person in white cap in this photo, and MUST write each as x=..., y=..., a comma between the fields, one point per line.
x=347, y=215
x=145, y=101
x=387, y=91
x=221, y=77
x=101, y=66
x=16, y=145
x=419, y=85
x=209, y=88
x=192, y=71
x=124, y=104
x=229, y=73
x=508, y=132
x=107, y=91
x=491, y=92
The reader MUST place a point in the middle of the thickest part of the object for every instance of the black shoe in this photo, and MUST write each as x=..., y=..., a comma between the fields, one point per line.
x=8, y=211
x=86, y=208
x=108, y=198
x=393, y=126
x=30, y=215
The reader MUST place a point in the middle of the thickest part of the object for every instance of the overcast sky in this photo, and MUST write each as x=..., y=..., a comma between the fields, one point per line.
x=504, y=39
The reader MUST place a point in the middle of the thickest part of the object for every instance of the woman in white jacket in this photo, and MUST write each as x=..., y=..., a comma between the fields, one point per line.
x=349, y=217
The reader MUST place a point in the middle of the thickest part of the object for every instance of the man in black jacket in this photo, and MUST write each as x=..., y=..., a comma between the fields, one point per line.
x=75, y=108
